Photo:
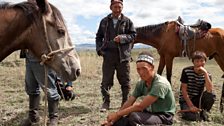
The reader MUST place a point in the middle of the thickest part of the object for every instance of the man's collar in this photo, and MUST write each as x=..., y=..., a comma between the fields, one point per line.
x=119, y=18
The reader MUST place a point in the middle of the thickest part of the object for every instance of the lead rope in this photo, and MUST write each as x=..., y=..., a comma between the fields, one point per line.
x=45, y=72
x=199, y=114
x=44, y=58
x=45, y=91
x=63, y=96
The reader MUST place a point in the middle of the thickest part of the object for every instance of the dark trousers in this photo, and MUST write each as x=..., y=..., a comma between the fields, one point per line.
x=207, y=101
x=111, y=63
x=146, y=119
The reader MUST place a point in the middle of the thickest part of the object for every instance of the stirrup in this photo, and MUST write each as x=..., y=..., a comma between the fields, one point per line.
x=184, y=53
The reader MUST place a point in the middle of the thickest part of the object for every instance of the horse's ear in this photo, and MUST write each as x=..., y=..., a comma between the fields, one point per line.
x=43, y=6
x=180, y=20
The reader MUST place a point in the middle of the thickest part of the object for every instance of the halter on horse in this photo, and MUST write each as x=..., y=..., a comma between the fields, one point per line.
x=40, y=28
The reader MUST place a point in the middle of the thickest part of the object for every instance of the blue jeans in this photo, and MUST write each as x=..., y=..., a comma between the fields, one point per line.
x=35, y=78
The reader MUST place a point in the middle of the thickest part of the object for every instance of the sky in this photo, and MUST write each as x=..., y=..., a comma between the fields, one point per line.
x=83, y=16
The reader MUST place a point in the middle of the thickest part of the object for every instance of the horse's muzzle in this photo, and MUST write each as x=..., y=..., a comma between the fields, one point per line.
x=75, y=73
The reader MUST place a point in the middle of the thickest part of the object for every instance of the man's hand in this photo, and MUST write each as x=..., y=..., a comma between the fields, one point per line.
x=113, y=117
x=117, y=39
x=69, y=88
x=200, y=70
x=194, y=109
x=106, y=123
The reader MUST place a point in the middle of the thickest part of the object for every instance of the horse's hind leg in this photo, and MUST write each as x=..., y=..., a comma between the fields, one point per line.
x=169, y=67
x=220, y=61
x=161, y=65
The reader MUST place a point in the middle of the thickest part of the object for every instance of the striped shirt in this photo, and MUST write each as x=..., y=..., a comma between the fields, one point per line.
x=195, y=82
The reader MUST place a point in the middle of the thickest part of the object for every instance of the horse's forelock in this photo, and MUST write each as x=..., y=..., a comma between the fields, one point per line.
x=58, y=16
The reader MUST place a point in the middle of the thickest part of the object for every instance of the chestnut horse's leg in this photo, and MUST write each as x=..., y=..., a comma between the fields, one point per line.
x=222, y=99
x=169, y=66
x=219, y=60
x=161, y=65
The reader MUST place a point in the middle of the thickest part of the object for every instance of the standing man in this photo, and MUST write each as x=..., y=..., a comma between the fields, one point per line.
x=157, y=105
x=193, y=98
x=34, y=81
x=113, y=41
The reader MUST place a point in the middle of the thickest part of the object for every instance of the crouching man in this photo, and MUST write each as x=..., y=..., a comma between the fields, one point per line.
x=158, y=103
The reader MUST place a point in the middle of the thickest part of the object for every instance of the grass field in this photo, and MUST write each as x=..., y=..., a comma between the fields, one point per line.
x=84, y=110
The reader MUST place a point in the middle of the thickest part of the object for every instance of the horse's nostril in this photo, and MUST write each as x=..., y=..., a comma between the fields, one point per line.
x=78, y=72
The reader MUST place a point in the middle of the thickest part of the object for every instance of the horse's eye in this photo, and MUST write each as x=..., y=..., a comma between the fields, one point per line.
x=61, y=31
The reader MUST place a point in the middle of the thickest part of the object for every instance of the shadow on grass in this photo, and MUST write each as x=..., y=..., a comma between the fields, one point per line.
x=63, y=113
x=75, y=110
x=216, y=120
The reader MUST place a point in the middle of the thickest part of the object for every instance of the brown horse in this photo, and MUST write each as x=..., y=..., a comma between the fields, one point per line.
x=40, y=28
x=167, y=42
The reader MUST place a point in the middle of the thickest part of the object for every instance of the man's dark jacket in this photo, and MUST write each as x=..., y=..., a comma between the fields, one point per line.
x=106, y=33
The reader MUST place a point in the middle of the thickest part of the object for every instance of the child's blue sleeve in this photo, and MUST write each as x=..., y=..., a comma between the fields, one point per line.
x=69, y=83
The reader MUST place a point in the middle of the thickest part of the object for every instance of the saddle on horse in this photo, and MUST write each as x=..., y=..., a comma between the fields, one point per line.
x=189, y=32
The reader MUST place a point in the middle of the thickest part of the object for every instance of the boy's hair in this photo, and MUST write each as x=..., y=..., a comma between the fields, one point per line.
x=199, y=55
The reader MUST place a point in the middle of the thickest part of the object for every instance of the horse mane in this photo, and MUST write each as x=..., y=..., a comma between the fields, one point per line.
x=31, y=10
x=151, y=30
x=4, y=5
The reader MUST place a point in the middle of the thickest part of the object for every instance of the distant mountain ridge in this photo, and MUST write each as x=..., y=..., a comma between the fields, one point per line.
x=93, y=46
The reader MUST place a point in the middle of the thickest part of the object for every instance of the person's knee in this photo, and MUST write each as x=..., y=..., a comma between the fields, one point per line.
x=209, y=95
x=32, y=92
x=106, y=86
x=52, y=96
x=208, y=100
x=126, y=87
x=133, y=117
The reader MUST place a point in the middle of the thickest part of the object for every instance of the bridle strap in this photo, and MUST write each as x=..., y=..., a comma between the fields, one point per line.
x=45, y=57
x=45, y=33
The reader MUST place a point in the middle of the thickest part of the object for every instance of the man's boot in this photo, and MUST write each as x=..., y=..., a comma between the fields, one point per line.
x=53, y=112
x=106, y=100
x=125, y=91
x=33, y=118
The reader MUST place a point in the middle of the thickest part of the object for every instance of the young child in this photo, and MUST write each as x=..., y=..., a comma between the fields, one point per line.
x=193, y=98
